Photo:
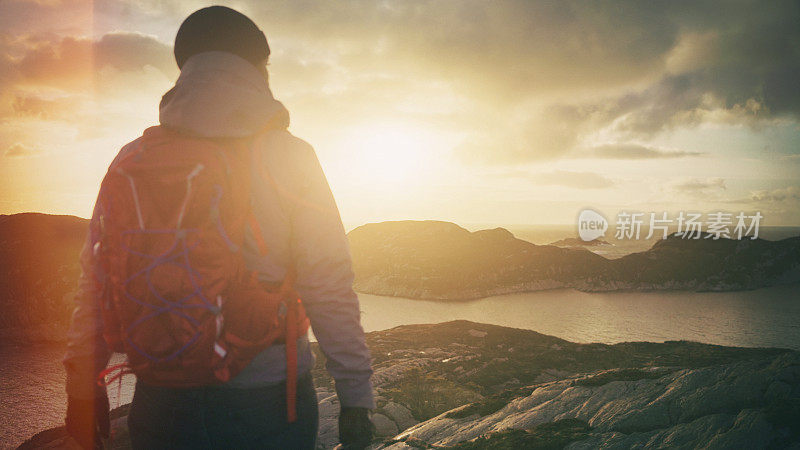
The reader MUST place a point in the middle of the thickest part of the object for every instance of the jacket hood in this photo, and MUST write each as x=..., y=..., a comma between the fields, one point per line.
x=219, y=94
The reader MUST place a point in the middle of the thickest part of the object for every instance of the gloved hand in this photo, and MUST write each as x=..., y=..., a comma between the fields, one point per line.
x=87, y=420
x=355, y=428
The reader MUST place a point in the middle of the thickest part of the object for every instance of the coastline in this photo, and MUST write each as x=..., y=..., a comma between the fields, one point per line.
x=551, y=285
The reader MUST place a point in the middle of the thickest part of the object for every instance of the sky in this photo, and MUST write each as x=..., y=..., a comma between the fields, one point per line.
x=507, y=112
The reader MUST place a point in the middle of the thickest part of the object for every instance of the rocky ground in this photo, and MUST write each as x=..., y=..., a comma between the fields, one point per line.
x=468, y=385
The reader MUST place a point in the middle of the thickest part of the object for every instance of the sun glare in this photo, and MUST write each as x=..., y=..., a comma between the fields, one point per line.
x=391, y=155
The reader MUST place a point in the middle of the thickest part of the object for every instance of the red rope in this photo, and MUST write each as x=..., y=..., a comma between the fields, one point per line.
x=122, y=369
x=257, y=235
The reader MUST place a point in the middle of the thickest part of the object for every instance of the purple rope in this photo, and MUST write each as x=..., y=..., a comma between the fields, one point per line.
x=197, y=290
x=167, y=257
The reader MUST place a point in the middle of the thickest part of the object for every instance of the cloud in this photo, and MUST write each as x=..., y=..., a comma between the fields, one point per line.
x=546, y=133
x=54, y=16
x=19, y=150
x=778, y=205
x=59, y=92
x=577, y=180
x=697, y=186
x=534, y=80
x=72, y=61
x=543, y=76
x=523, y=45
x=789, y=193
x=696, y=68
x=34, y=106
x=636, y=151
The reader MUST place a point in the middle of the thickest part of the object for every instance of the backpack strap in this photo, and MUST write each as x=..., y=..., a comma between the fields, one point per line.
x=292, y=302
x=257, y=234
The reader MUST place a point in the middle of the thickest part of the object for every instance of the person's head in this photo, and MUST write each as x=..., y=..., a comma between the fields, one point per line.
x=219, y=28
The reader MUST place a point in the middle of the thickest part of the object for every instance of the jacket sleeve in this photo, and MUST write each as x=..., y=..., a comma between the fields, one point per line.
x=87, y=353
x=321, y=255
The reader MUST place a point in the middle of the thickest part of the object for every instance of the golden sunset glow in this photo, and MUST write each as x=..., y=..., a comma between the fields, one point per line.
x=472, y=113
x=390, y=155
x=353, y=224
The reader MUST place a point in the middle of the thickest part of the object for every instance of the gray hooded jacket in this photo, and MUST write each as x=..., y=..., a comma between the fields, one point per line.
x=221, y=95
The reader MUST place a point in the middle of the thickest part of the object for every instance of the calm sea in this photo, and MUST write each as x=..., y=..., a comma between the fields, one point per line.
x=32, y=379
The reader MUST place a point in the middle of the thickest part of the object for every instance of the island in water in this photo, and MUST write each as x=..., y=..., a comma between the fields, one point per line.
x=443, y=261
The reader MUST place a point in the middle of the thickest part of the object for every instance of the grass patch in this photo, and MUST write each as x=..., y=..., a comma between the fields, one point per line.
x=553, y=435
x=489, y=405
x=429, y=394
x=619, y=375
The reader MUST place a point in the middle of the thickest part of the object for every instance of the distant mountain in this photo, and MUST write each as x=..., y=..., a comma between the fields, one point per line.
x=440, y=260
x=39, y=269
x=706, y=265
x=575, y=242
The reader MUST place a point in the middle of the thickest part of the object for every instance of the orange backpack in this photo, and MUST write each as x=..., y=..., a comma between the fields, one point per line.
x=177, y=297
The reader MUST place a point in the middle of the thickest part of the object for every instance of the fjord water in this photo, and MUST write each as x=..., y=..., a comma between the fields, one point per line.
x=767, y=317
x=32, y=379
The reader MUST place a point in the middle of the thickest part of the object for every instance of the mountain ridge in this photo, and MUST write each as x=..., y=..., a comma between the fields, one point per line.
x=430, y=260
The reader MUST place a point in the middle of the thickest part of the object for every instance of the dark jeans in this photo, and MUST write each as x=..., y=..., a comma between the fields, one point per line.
x=214, y=417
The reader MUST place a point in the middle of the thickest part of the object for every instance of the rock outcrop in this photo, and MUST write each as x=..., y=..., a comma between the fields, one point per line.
x=469, y=385
x=738, y=405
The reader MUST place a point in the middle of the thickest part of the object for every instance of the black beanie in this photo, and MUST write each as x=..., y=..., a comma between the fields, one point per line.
x=218, y=28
